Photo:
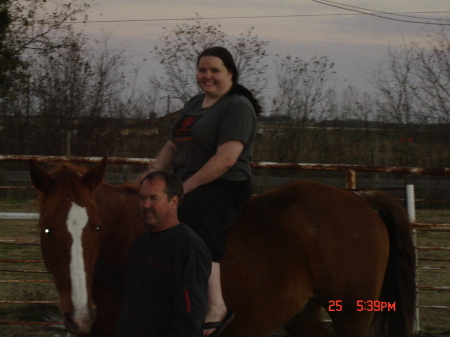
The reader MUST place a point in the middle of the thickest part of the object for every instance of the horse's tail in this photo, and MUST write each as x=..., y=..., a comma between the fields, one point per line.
x=399, y=286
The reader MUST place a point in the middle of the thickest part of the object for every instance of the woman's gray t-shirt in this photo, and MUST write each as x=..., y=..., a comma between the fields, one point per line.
x=198, y=132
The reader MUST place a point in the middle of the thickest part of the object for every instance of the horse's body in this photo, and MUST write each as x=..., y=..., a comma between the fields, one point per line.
x=294, y=249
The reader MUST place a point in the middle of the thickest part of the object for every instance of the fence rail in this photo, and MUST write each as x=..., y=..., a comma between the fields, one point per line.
x=350, y=170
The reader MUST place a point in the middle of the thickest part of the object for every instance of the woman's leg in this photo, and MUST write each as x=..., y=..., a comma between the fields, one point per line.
x=217, y=309
x=210, y=210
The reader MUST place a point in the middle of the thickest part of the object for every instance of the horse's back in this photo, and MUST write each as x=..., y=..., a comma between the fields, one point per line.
x=310, y=214
x=302, y=241
x=330, y=223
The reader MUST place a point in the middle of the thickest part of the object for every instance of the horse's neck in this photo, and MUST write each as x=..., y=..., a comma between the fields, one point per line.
x=121, y=222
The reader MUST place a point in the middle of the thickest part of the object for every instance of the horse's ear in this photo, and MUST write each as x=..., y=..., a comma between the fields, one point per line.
x=94, y=176
x=39, y=177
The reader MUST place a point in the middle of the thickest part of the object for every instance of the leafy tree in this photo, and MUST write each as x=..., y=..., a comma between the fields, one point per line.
x=180, y=47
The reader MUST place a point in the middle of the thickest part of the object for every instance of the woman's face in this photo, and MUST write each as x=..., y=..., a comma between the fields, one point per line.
x=213, y=77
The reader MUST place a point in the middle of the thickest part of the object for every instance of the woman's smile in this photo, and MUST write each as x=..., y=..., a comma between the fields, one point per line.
x=213, y=77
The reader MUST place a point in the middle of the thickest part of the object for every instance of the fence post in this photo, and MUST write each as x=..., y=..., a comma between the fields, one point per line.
x=411, y=207
x=351, y=180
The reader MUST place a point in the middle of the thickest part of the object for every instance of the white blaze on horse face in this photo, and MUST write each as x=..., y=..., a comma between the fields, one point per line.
x=77, y=219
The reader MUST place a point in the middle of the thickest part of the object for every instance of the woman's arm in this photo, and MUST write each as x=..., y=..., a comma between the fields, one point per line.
x=164, y=160
x=225, y=157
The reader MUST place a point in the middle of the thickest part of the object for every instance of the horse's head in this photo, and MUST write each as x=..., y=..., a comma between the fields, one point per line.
x=69, y=226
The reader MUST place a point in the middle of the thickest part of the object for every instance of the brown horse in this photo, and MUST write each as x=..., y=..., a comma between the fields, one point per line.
x=295, y=249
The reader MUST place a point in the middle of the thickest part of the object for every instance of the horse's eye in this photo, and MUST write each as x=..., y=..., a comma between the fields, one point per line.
x=48, y=232
x=96, y=228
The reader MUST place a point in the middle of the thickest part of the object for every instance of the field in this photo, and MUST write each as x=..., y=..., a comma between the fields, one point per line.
x=432, y=321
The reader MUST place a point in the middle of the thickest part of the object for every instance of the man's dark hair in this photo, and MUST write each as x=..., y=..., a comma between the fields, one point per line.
x=174, y=185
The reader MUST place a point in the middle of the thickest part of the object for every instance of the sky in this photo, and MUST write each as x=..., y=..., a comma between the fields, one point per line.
x=356, y=43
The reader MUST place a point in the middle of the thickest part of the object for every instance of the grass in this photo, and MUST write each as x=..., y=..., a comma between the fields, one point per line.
x=17, y=205
x=25, y=230
x=431, y=320
x=434, y=320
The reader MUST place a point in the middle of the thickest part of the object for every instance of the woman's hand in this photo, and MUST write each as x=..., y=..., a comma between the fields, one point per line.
x=225, y=157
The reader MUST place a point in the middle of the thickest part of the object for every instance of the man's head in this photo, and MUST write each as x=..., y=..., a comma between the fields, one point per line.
x=161, y=194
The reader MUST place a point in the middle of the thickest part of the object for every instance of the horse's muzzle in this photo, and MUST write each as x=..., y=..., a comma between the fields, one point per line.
x=78, y=324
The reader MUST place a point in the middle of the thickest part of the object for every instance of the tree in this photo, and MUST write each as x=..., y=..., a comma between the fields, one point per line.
x=397, y=87
x=413, y=92
x=305, y=96
x=432, y=68
x=303, y=87
x=9, y=61
x=181, y=46
x=35, y=22
x=31, y=25
x=27, y=27
x=82, y=91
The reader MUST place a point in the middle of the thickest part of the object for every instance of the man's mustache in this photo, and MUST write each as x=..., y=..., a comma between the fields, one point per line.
x=148, y=210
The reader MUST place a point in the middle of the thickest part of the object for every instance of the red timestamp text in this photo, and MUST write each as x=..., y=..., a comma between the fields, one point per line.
x=361, y=305
x=375, y=306
x=335, y=306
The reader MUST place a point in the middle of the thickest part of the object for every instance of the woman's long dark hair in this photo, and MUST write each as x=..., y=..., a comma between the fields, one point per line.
x=229, y=63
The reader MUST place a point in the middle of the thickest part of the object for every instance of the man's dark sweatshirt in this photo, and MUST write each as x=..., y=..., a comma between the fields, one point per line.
x=164, y=284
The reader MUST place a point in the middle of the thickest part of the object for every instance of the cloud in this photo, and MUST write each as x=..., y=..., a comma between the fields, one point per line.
x=354, y=42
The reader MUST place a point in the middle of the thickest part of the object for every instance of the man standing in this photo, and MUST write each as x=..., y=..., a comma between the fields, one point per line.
x=164, y=285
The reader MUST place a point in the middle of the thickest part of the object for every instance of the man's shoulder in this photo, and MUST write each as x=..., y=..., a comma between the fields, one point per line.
x=191, y=237
x=188, y=232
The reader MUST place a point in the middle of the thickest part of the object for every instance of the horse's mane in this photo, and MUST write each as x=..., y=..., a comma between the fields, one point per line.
x=66, y=184
x=129, y=187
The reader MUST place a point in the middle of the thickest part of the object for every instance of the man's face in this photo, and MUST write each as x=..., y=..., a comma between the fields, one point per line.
x=156, y=210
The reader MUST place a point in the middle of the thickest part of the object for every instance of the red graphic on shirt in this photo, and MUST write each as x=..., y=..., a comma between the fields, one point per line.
x=183, y=128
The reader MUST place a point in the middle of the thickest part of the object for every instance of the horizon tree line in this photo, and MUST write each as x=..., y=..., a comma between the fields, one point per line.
x=54, y=74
